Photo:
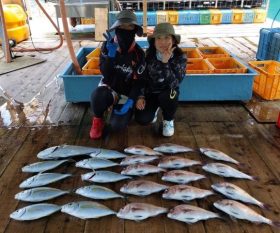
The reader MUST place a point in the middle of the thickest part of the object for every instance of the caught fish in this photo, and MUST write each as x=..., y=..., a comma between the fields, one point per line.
x=107, y=154
x=241, y=211
x=134, y=159
x=43, y=166
x=42, y=179
x=65, y=151
x=181, y=176
x=234, y=192
x=97, y=192
x=104, y=176
x=172, y=148
x=141, y=169
x=176, y=162
x=185, y=193
x=142, y=187
x=225, y=171
x=141, y=150
x=39, y=194
x=86, y=209
x=140, y=211
x=95, y=163
x=217, y=155
x=34, y=211
x=190, y=214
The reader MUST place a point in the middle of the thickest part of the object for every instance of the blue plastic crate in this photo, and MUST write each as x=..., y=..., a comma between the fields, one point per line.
x=195, y=87
x=188, y=17
x=266, y=35
x=226, y=16
x=274, y=50
x=151, y=18
x=112, y=17
x=248, y=16
x=139, y=17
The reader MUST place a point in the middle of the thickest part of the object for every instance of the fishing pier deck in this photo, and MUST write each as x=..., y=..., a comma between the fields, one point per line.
x=34, y=116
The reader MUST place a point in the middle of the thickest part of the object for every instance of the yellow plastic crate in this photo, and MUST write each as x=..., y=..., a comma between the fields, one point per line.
x=259, y=16
x=267, y=83
x=173, y=17
x=91, y=67
x=237, y=16
x=192, y=53
x=87, y=21
x=162, y=17
x=199, y=66
x=215, y=16
x=94, y=54
x=212, y=52
x=227, y=65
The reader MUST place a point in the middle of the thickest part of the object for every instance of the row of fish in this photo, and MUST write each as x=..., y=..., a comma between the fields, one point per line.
x=66, y=151
x=140, y=211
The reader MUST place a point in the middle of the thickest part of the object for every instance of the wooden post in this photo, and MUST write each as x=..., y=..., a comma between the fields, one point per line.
x=101, y=23
x=5, y=40
x=145, y=17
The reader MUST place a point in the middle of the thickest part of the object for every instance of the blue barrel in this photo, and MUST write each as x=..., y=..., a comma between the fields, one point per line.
x=226, y=16
x=274, y=52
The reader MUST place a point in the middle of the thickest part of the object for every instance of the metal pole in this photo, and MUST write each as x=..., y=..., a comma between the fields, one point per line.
x=145, y=17
x=5, y=40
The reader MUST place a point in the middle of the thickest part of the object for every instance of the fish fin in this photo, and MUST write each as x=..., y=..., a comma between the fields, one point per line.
x=266, y=206
x=233, y=218
x=241, y=165
x=276, y=224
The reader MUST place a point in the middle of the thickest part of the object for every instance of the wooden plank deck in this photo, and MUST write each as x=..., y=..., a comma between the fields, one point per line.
x=34, y=116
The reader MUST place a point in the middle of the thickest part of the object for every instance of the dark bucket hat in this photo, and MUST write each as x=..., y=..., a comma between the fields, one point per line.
x=127, y=16
x=164, y=29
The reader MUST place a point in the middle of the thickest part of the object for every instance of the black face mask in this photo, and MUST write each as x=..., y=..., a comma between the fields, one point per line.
x=125, y=38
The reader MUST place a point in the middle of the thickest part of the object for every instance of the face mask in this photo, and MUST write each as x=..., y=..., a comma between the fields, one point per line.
x=125, y=38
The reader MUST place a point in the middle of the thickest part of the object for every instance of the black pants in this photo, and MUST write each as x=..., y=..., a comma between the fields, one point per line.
x=165, y=100
x=101, y=99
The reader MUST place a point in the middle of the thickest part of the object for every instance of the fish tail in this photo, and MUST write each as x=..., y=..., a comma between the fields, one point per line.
x=275, y=224
x=255, y=178
x=241, y=165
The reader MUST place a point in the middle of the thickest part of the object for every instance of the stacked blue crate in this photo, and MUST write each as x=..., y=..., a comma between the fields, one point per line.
x=151, y=18
x=248, y=16
x=189, y=17
x=139, y=17
x=265, y=41
x=226, y=16
x=112, y=17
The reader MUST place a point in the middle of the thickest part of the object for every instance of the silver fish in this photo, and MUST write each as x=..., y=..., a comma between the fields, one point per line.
x=39, y=194
x=142, y=187
x=172, y=148
x=225, y=171
x=34, y=211
x=97, y=192
x=234, y=192
x=141, y=169
x=176, y=162
x=86, y=209
x=217, y=155
x=185, y=193
x=107, y=154
x=241, y=211
x=95, y=163
x=181, y=176
x=141, y=150
x=140, y=211
x=190, y=214
x=43, y=166
x=104, y=176
x=42, y=179
x=134, y=159
x=65, y=151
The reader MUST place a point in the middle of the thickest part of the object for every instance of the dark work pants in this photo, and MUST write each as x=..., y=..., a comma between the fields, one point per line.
x=154, y=101
x=101, y=99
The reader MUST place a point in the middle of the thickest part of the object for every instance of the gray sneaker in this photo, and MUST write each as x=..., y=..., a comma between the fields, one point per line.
x=168, y=128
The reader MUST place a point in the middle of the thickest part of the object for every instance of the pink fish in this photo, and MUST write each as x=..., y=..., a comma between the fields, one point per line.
x=181, y=176
x=141, y=169
x=138, y=159
x=177, y=162
x=141, y=150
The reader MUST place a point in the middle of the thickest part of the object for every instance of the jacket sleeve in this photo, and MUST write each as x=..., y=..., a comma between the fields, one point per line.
x=106, y=64
x=179, y=70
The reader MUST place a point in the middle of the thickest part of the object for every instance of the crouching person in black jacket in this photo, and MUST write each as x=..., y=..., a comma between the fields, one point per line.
x=122, y=63
x=166, y=68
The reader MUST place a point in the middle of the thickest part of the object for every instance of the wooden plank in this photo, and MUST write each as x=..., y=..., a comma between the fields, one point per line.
x=101, y=23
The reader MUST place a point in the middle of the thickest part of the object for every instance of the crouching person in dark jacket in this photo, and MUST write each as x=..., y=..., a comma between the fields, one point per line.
x=122, y=63
x=166, y=68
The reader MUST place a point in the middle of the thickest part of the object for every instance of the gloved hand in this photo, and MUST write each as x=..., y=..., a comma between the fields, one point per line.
x=110, y=44
x=125, y=108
